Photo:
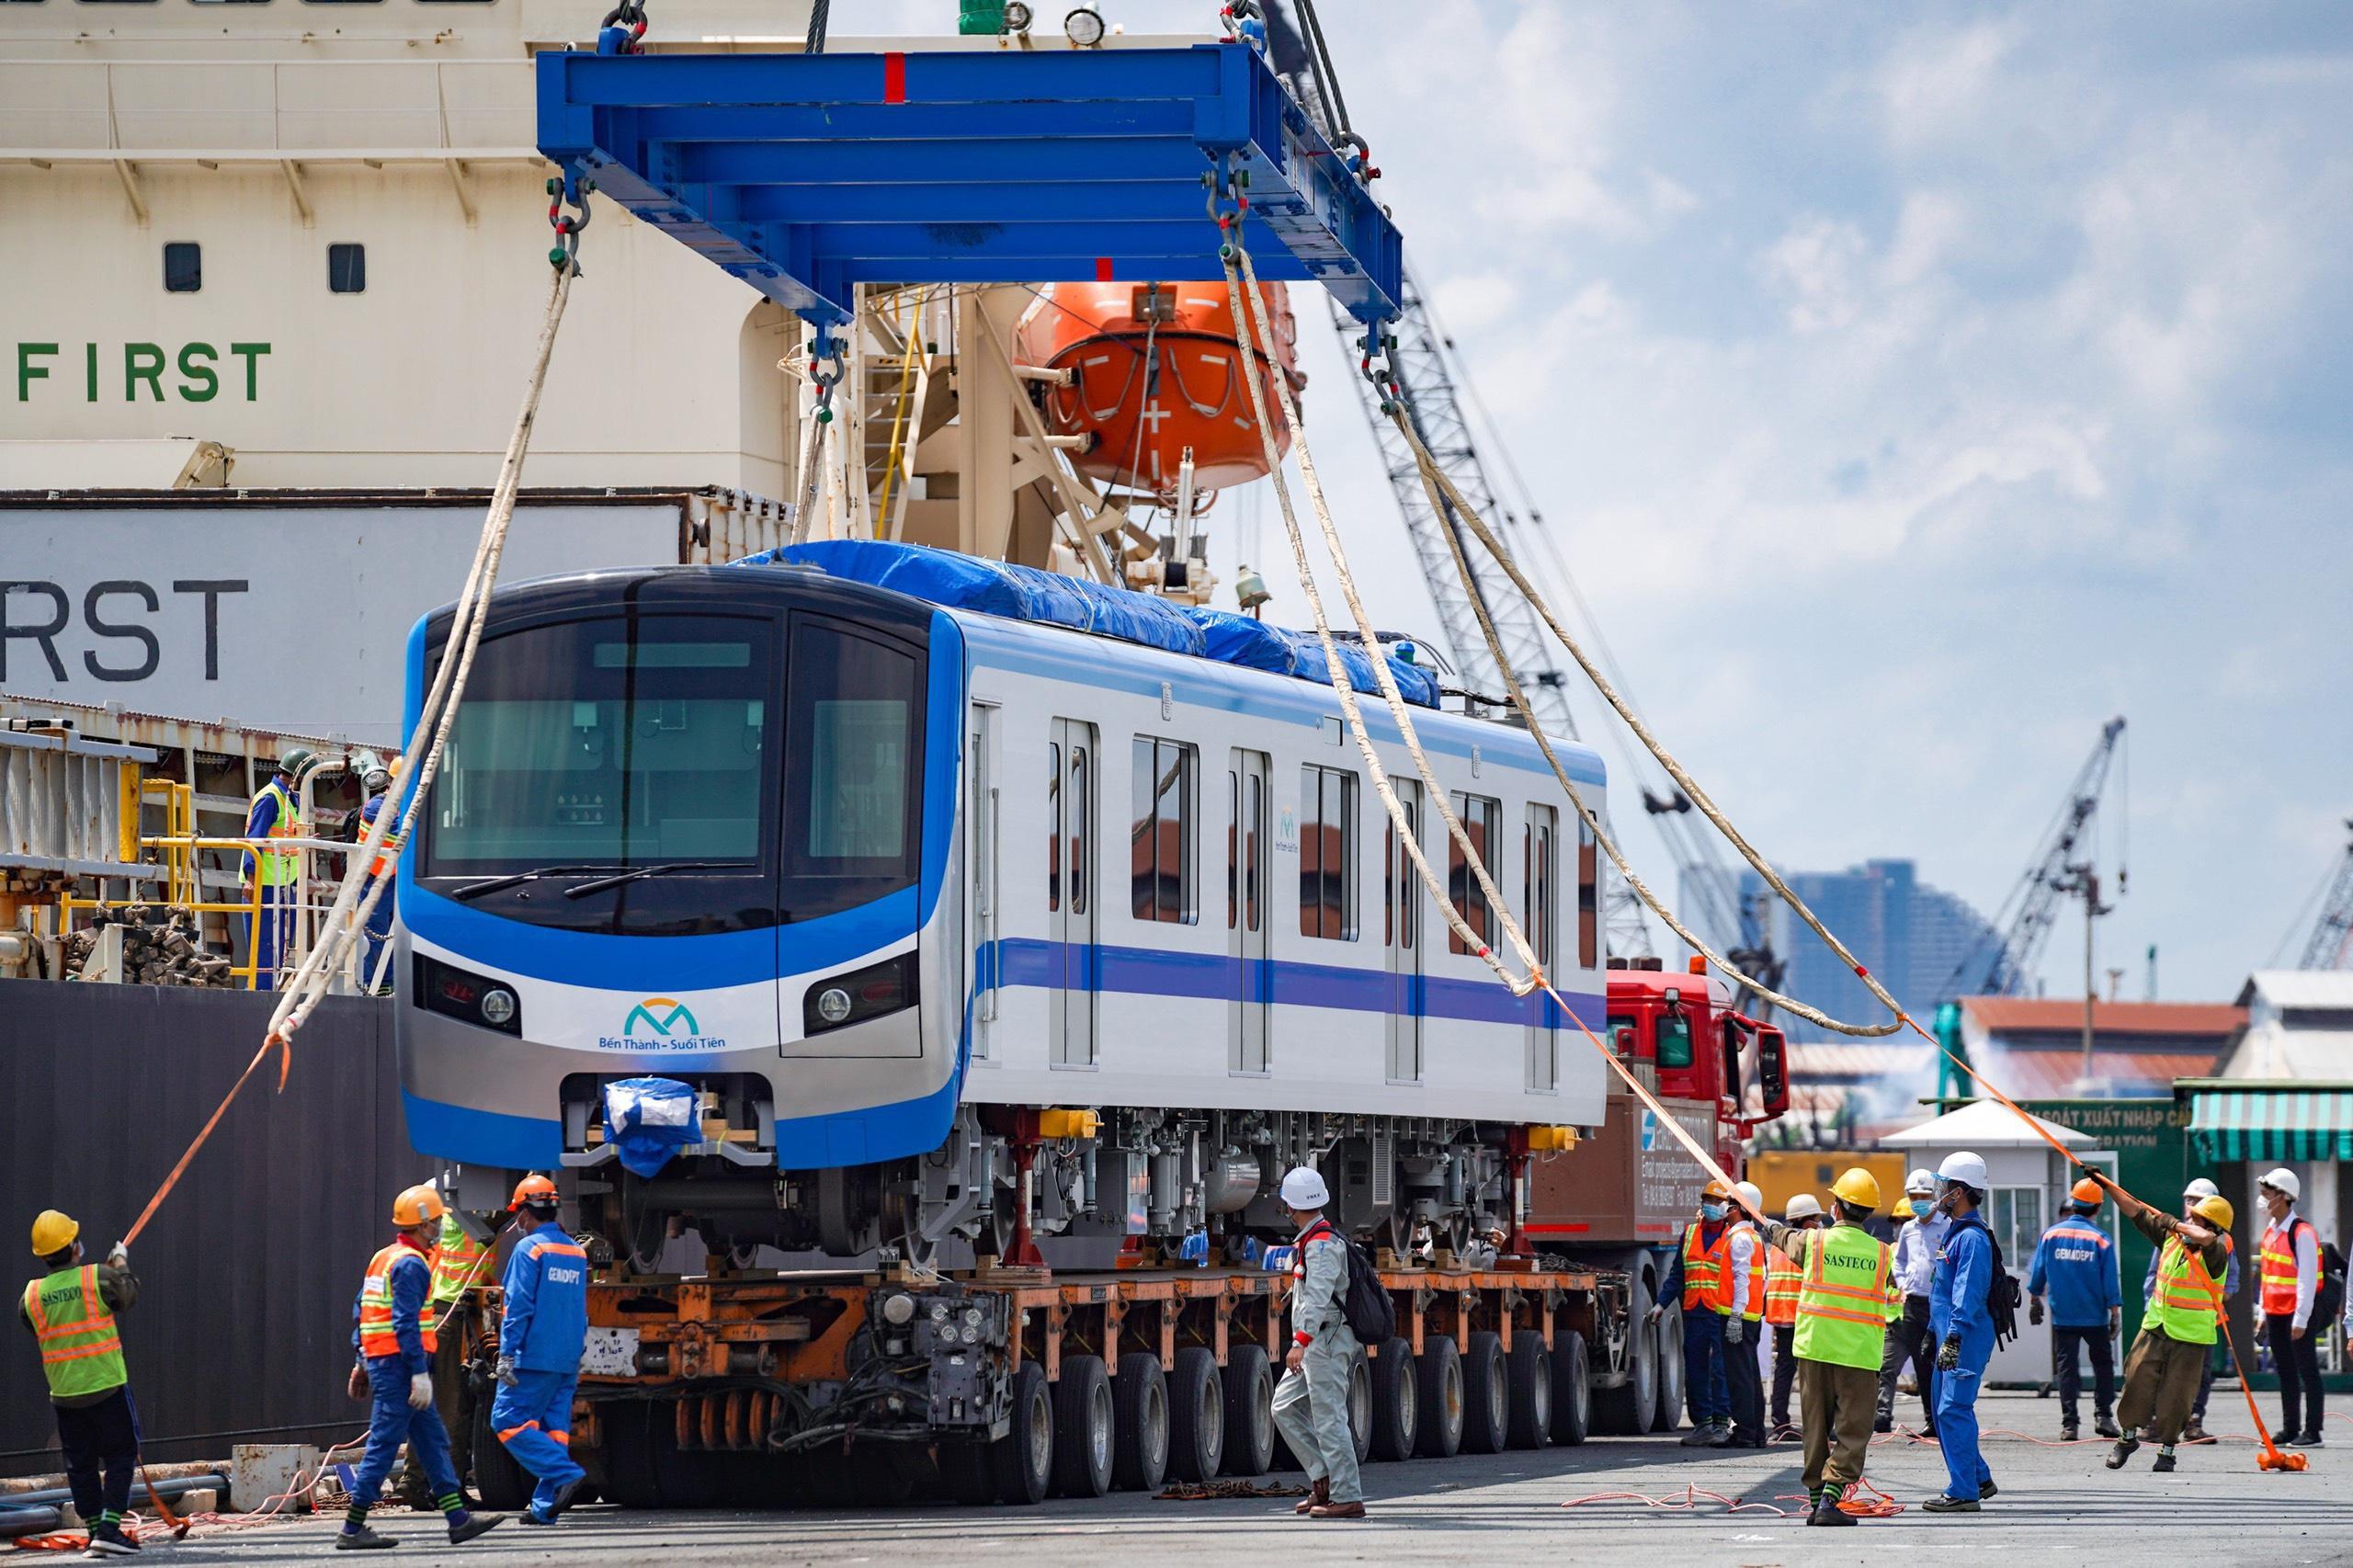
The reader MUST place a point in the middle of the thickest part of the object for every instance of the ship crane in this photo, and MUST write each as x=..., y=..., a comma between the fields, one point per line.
x=2330, y=946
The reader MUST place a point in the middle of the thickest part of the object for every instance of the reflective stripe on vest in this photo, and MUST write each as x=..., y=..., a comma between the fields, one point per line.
x=2280, y=1267
x=1782, y=1280
x=280, y=866
x=1707, y=1271
x=455, y=1263
x=376, y=1334
x=81, y=1348
x=1844, y=1300
x=1752, y=1309
x=2186, y=1296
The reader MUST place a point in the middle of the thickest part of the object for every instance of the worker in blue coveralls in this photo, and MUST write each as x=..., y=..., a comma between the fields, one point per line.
x=539, y=1342
x=1960, y=1317
x=276, y=812
x=2076, y=1263
x=395, y=1339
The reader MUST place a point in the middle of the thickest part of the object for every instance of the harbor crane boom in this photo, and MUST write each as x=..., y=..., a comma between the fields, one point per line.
x=2330, y=946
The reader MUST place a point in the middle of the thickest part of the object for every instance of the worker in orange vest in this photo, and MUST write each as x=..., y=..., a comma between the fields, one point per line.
x=1744, y=1253
x=1699, y=1274
x=1783, y=1284
x=2290, y=1283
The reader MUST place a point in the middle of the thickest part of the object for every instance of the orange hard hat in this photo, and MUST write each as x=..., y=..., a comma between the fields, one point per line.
x=534, y=1191
x=420, y=1205
x=2087, y=1191
x=1715, y=1192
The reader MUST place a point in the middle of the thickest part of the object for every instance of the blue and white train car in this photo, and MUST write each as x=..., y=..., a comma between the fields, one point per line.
x=880, y=874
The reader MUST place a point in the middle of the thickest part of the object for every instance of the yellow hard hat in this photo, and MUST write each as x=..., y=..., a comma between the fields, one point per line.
x=2217, y=1211
x=420, y=1205
x=1858, y=1185
x=53, y=1232
x=1903, y=1209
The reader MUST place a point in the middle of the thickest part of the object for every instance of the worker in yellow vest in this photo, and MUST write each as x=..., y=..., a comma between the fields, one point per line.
x=71, y=1312
x=2177, y=1330
x=276, y=812
x=459, y=1263
x=1782, y=1279
x=1846, y=1300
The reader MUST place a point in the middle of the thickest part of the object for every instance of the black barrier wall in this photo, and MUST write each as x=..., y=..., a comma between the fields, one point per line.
x=247, y=1274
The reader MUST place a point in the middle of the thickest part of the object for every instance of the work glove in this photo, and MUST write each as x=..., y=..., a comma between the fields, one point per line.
x=420, y=1391
x=504, y=1372
x=1655, y=1314
x=1733, y=1327
x=2034, y=1310
x=356, y=1384
x=119, y=1255
x=1948, y=1359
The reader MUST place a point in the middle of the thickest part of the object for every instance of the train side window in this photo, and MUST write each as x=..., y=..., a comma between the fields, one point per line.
x=1233, y=848
x=1078, y=795
x=1327, y=848
x=1254, y=838
x=1054, y=826
x=1160, y=846
x=1588, y=898
x=1536, y=881
x=1481, y=821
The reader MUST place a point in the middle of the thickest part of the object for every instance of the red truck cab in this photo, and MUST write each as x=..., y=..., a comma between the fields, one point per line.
x=1682, y=1025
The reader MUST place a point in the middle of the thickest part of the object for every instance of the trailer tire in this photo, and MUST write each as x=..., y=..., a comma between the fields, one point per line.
x=1626, y=1410
x=1196, y=1416
x=1360, y=1404
x=499, y=1480
x=1572, y=1387
x=1022, y=1461
x=1439, y=1373
x=1249, y=1387
x=1396, y=1401
x=1486, y=1395
x=1139, y=1424
x=628, y=1475
x=1671, y=1377
x=1529, y=1375
x=1083, y=1429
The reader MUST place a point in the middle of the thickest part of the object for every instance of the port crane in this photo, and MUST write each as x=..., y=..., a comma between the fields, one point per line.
x=2330, y=946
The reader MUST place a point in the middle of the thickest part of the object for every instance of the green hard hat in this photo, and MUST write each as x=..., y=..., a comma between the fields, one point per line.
x=297, y=761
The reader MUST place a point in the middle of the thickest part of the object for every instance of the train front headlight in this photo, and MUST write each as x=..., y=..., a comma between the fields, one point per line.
x=839, y=1001
x=497, y=1006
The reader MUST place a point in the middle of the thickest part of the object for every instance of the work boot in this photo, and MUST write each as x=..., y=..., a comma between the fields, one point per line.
x=463, y=1528
x=2069, y=1431
x=1827, y=1510
x=360, y=1538
x=1337, y=1511
x=1945, y=1503
x=2105, y=1426
x=2125, y=1449
x=2165, y=1461
x=2307, y=1440
x=1884, y=1424
x=1318, y=1493
x=1987, y=1490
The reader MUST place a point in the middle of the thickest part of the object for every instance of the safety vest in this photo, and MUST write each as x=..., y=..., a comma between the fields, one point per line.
x=80, y=1349
x=2186, y=1296
x=1707, y=1271
x=377, y=1336
x=1782, y=1279
x=1844, y=1302
x=278, y=867
x=455, y=1263
x=1752, y=1309
x=2280, y=1267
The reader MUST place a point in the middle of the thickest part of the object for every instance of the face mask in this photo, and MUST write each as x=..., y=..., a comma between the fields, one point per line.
x=1712, y=1211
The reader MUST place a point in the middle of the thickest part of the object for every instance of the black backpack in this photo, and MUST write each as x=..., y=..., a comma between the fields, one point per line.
x=2329, y=1299
x=2003, y=1294
x=1371, y=1315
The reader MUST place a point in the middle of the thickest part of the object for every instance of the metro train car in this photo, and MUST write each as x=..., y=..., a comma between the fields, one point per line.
x=976, y=909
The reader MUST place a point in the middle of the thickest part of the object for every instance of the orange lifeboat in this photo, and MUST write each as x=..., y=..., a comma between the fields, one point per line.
x=1153, y=371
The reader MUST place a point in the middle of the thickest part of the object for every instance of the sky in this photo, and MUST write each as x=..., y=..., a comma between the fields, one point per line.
x=1910, y=389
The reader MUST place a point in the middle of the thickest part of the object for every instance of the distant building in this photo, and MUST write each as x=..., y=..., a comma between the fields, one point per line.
x=2299, y=1025
x=2033, y=1047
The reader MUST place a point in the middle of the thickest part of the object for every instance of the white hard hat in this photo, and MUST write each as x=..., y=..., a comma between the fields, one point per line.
x=1964, y=1168
x=1803, y=1207
x=1304, y=1189
x=1921, y=1180
x=2202, y=1187
x=1751, y=1195
x=2285, y=1180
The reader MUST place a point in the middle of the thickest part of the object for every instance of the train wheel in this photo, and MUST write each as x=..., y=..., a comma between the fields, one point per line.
x=1529, y=1372
x=965, y=1473
x=1083, y=1427
x=1627, y=1409
x=1248, y=1385
x=1486, y=1395
x=1396, y=1401
x=1196, y=1415
x=1022, y=1461
x=1438, y=1393
x=499, y=1481
x=1669, y=1358
x=1140, y=1423
x=1572, y=1387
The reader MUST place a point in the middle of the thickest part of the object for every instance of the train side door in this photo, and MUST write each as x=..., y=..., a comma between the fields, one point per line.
x=1248, y=921
x=1400, y=922
x=1069, y=894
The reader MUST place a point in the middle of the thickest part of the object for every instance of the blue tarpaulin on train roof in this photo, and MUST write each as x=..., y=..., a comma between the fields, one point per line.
x=992, y=587
x=1238, y=639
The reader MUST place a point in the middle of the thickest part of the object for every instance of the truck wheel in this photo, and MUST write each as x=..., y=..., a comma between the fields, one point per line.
x=1528, y=1370
x=1249, y=1389
x=1139, y=1424
x=1486, y=1395
x=499, y=1481
x=629, y=1454
x=1022, y=1461
x=1671, y=1379
x=1396, y=1401
x=1196, y=1416
x=1572, y=1387
x=1083, y=1425
x=965, y=1475
x=1439, y=1392
x=1627, y=1408
x=1360, y=1404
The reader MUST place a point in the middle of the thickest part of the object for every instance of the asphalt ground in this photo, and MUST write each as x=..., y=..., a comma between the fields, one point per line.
x=2057, y=1506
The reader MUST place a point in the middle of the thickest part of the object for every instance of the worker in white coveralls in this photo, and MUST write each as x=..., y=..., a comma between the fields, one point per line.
x=1311, y=1401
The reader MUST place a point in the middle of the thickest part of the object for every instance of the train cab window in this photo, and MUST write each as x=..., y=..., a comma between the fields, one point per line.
x=1588, y=899
x=1160, y=842
x=1482, y=821
x=853, y=727
x=1327, y=853
x=183, y=267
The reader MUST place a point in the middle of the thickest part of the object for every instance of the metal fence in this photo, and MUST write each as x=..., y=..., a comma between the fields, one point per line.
x=243, y=1330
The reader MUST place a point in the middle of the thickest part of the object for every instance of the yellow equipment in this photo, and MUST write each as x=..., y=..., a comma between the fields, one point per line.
x=2216, y=1212
x=1858, y=1185
x=53, y=1232
x=420, y=1205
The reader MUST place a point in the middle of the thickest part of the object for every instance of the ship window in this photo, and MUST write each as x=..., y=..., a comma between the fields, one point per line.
x=346, y=269
x=182, y=267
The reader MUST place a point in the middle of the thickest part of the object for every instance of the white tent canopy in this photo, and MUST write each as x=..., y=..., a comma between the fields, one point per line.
x=1988, y=1124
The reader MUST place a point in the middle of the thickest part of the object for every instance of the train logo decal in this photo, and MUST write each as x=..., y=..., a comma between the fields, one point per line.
x=668, y=1024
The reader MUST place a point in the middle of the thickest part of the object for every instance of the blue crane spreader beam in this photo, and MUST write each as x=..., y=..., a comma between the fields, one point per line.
x=804, y=175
